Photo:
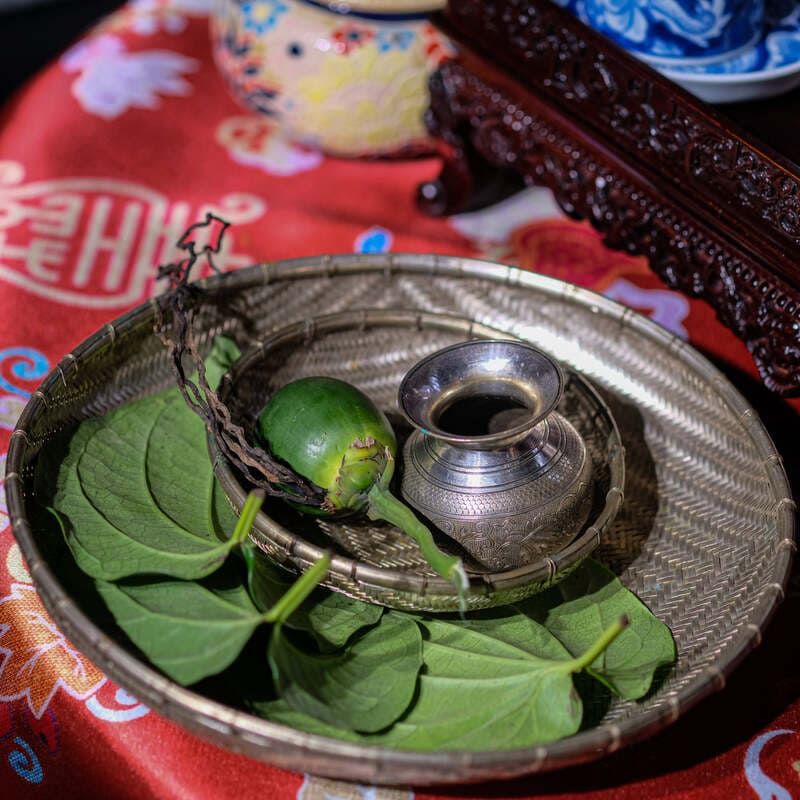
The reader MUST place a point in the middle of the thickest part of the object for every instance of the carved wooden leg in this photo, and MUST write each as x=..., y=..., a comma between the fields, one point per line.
x=466, y=181
x=450, y=191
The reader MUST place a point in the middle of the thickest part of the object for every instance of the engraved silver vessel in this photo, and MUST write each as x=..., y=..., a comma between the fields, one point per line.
x=490, y=462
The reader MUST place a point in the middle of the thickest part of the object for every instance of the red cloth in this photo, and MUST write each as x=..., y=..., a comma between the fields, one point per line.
x=96, y=185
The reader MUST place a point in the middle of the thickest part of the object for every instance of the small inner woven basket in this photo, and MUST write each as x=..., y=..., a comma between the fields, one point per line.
x=375, y=561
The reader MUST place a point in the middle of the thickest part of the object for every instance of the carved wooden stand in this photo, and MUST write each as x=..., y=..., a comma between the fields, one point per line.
x=653, y=169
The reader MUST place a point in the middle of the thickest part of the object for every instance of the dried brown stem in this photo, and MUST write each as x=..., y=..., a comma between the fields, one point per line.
x=255, y=464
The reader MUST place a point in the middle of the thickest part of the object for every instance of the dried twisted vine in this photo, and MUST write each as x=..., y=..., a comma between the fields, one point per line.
x=256, y=465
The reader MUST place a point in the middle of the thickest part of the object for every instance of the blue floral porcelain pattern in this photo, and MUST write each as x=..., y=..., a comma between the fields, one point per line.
x=394, y=40
x=674, y=28
x=779, y=47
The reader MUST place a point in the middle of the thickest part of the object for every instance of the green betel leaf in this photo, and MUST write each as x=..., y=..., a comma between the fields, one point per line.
x=476, y=691
x=224, y=354
x=136, y=493
x=187, y=629
x=330, y=617
x=365, y=687
x=177, y=467
x=335, y=618
x=116, y=526
x=585, y=603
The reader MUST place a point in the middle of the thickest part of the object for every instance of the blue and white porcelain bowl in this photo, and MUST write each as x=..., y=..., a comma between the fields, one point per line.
x=669, y=33
x=771, y=67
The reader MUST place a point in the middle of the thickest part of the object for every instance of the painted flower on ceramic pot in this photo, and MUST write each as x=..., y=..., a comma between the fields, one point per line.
x=625, y=17
x=782, y=13
x=394, y=39
x=242, y=72
x=303, y=46
x=261, y=16
x=370, y=101
x=437, y=47
x=349, y=37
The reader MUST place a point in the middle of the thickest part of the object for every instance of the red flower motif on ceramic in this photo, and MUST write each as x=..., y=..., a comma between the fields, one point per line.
x=437, y=47
x=243, y=70
x=35, y=657
x=349, y=37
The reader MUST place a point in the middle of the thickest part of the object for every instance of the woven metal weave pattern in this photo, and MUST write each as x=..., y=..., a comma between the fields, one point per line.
x=704, y=537
x=374, y=349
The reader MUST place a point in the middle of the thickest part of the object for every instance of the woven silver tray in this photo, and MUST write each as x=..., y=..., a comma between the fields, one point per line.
x=704, y=537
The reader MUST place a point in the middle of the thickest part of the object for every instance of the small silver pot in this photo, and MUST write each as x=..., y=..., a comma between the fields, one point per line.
x=491, y=463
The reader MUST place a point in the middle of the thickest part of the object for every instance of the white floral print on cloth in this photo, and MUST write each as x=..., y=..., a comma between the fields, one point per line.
x=113, y=80
x=15, y=563
x=150, y=17
x=257, y=142
x=765, y=787
x=530, y=231
x=496, y=223
x=669, y=309
x=36, y=660
x=37, y=663
x=113, y=704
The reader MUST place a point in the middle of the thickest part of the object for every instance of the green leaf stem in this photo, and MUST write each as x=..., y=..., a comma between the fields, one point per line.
x=330, y=617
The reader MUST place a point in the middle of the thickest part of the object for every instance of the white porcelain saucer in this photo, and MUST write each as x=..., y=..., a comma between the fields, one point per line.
x=770, y=68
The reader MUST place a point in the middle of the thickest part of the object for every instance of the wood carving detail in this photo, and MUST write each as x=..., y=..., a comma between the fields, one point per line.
x=576, y=69
x=480, y=123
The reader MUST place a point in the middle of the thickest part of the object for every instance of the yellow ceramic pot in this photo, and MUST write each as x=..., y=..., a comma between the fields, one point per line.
x=348, y=78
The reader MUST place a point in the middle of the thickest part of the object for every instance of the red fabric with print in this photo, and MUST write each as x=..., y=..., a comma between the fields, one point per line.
x=96, y=185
